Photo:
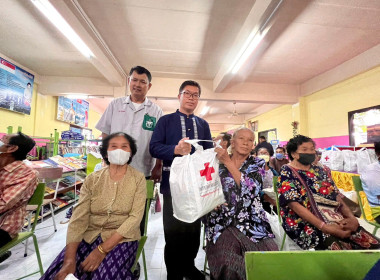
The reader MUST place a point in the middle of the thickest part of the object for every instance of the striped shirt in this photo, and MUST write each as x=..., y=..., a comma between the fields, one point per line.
x=17, y=185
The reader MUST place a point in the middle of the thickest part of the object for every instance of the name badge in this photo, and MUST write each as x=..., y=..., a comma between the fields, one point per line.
x=149, y=123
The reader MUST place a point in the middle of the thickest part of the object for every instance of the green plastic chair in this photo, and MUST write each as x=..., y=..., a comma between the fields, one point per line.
x=275, y=179
x=359, y=188
x=326, y=265
x=36, y=199
x=140, y=249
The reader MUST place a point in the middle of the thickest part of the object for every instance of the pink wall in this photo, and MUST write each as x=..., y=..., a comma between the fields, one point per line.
x=326, y=142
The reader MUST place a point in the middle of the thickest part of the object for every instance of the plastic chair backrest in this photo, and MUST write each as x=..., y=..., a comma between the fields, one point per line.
x=334, y=265
x=37, y=199
x=357, y=183
x=149, y=197
x=359, y=188
x=275, y=179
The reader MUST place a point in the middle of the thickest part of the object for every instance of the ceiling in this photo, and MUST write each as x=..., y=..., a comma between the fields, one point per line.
x=308, y=45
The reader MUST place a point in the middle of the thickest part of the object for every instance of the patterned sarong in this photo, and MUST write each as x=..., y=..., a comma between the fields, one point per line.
x=116, y=265
x=226, y=256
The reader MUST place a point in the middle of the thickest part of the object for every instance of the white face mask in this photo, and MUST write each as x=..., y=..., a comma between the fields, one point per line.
x=264, y=157
x=118, y=157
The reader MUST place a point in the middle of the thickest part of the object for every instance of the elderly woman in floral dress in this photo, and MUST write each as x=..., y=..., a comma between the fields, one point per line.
x=240, y=224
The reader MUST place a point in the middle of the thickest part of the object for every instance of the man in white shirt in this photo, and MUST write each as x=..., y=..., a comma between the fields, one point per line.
x=371, y=184
x=137, y=116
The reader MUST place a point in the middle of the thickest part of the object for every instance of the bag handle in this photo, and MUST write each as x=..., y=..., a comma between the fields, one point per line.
x=194, y=143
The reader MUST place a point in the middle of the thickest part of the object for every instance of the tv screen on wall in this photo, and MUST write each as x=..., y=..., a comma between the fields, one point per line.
x=364, y=126
x=16, y=88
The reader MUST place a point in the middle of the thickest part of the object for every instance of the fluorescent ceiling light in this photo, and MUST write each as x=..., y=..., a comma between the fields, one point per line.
x=204, y=110
x=253, y=41
x=77, y=96
x=249, y=46
x=55, y=17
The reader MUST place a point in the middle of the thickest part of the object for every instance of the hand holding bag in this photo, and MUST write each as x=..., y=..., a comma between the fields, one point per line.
x=195, y=184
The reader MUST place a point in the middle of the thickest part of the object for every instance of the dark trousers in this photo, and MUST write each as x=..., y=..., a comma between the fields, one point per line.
x=4, y=238
x=182, y=242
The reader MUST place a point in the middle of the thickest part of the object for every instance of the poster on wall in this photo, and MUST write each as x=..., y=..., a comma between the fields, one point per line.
x=254, y=126
x=270, y=135
x=364, y=126
x=16, y=88
x=74, y=111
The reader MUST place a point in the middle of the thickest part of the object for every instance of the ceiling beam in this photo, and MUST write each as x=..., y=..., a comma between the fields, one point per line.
x=55, y=85
x=103, y=60
x=167, y=89
x=251, y=24
x=271, y=18
x=359, y=64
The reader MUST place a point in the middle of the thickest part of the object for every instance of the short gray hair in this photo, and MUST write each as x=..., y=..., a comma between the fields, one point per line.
x=240, y=129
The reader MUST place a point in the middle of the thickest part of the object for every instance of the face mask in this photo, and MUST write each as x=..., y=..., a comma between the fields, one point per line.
x=118, y=157
x=264, y=157
x=279, y=156
x=306, y=159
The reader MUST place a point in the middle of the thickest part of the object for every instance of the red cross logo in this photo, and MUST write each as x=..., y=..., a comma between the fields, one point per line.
x=207, y=171
x=327, y=158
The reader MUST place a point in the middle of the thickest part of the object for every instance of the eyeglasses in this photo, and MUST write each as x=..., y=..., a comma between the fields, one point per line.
x=188, y=94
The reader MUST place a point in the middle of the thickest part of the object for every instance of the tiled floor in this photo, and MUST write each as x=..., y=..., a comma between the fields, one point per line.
x=51, y=244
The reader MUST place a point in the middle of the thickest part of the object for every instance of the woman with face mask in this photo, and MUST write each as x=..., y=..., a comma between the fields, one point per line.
x=267, y=176
x=279, y=159
x=103, y=234
x=269, y=171
x=313, y=212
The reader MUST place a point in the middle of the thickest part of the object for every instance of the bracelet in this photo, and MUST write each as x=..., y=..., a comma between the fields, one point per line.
x=101, y=250
x=322, y=225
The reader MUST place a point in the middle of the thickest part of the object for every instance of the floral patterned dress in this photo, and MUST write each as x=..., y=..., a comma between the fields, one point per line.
x=303, y=233
x=244, y=210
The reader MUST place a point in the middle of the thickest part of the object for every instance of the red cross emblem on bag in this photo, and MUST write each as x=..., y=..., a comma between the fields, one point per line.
x=207, y=171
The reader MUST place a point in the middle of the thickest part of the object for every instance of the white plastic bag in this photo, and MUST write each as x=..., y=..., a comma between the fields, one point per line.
x=364, y=158
x=349, y=161
x=70, y=277
x=279, y=232
x=333, y=159
x=195, y=184
x=352, y=195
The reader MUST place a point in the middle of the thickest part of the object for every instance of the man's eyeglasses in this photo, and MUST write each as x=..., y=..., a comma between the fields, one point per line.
x=188, y=94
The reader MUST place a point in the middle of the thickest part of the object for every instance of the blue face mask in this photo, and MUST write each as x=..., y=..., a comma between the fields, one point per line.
x=279, y=156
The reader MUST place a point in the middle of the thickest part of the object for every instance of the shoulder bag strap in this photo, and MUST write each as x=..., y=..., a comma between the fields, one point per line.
x=313, y=204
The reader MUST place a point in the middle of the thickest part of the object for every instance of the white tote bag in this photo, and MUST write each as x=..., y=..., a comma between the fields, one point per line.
x=364, y=159
x=333, y=159
x=349, y=161
x=195, y=184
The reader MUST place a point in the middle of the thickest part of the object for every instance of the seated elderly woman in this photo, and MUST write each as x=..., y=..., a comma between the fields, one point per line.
x=105, y=226
x=267, y=179
x=313, y=212
x=240, y=224
x=269, y=170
